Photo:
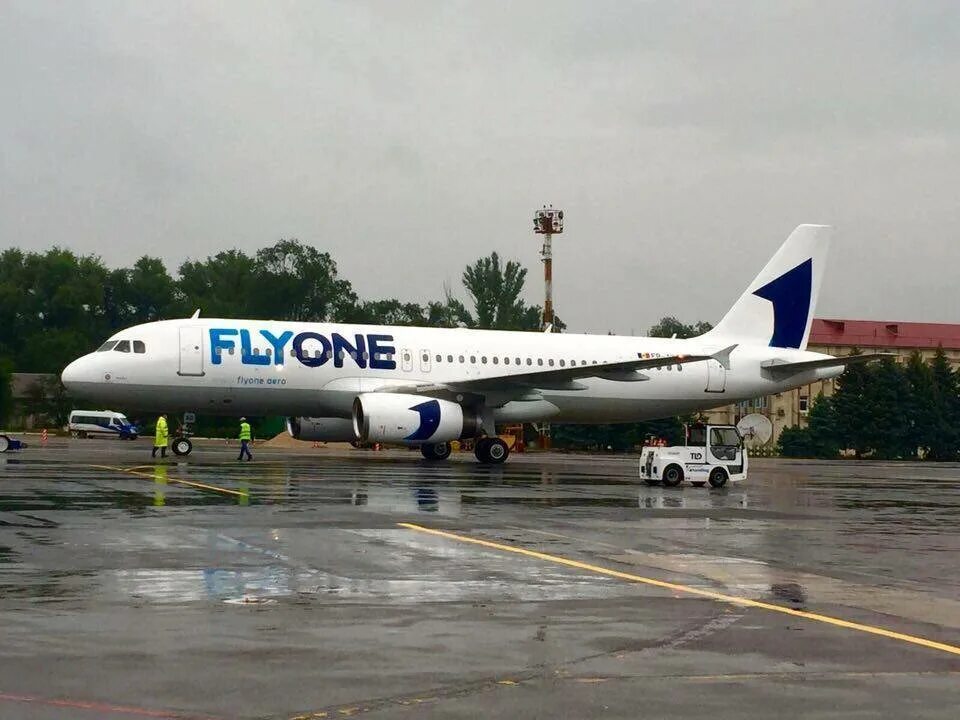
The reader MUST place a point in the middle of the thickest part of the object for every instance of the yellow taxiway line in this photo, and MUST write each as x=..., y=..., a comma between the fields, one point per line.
x=677, y=587
x=150, y=476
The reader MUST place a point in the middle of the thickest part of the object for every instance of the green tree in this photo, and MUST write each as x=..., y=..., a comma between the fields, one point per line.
x=916, y=410
x=386, y=312
x=669, y=327
x=298, y=282
x=149, y=293
x=852, y=406
x=495, y=291
x=943, y=413
x=6, y=391
x=224, y=285
x=819, y=439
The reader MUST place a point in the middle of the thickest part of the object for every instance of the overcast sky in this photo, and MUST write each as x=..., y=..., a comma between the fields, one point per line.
x=684, y=141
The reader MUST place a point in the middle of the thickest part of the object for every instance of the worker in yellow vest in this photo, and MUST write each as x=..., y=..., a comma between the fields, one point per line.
x=245, y=439
x=160, y=437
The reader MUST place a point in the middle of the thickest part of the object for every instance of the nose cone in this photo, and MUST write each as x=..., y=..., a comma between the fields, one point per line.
x=78, y=375
x=70, y=374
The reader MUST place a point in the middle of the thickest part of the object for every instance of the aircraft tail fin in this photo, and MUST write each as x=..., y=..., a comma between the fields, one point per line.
x=777, y=307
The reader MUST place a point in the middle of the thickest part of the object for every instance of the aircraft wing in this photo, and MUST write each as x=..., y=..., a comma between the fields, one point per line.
x=520, y=383
x=782, y=369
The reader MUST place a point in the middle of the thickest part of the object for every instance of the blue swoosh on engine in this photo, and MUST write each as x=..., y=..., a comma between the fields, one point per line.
x=790, y=294
x=429, y=420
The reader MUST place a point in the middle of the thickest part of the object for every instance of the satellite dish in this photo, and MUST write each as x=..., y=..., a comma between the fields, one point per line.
x=756, y=428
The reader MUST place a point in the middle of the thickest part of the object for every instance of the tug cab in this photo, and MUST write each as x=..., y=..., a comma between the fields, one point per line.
x=712, y=454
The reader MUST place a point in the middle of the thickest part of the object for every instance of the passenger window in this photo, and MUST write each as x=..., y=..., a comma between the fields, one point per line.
x=540, y=361
x=267, y=352
x=473, y=359
x=496, y=360
x=483, y=359
x=518, y=361
x=461, y=359
x=506, y=361
x=450, y=358
x=139, y=347
x=563, y=363
x=230, y=351
x=529, y=361
x=550, y=362
x=439, y=358
x=123, y=346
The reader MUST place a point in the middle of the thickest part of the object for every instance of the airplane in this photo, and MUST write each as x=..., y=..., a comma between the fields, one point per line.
x=427, y=387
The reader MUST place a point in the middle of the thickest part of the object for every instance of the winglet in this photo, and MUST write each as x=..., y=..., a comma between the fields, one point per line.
x=723, y=356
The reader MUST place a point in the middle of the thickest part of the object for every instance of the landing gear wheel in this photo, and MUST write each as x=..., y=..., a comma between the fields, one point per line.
x=181, y=446
x=491, y=451
x=4, y=443
x=436, y=451
x=672, y=476
x=718, y=477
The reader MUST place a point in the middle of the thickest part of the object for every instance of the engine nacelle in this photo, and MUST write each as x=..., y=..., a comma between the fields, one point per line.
x=411, y=419
x=321, y=429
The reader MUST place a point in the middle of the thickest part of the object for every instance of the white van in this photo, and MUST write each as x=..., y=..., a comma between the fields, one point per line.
x=85, y=423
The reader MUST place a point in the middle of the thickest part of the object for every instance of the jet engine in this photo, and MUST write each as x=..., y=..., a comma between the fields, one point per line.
x=411, y=419
x=320, y=429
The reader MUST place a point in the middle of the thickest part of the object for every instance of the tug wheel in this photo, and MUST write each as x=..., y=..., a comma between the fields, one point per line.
x=718, y=477
x=672, y=475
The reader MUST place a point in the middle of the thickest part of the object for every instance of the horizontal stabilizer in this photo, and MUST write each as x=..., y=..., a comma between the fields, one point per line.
x=780, y=369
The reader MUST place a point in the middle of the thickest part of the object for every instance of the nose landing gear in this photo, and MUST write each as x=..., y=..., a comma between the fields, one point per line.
x=181, y=446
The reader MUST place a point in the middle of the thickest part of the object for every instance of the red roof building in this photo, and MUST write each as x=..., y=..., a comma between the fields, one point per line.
x=880, y=334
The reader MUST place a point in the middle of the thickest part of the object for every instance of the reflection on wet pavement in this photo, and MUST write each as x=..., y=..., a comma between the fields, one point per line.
x=309, y=542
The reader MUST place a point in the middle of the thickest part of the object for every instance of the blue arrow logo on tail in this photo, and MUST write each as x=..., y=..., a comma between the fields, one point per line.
x=429, y=420
x=790, y=294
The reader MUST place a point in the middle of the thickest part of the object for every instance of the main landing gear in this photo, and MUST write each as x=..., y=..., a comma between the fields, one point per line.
x=489, y=450
x=436, y=451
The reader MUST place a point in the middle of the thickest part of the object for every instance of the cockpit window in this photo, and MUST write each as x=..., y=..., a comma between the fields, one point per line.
x=108, y=345
x=122, y=346
x=139, y=347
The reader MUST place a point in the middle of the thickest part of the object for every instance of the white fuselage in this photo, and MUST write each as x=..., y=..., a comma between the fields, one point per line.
x=252, y=367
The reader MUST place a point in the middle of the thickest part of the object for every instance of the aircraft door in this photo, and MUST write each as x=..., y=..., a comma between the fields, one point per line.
x=406, y=360
x=191, y=351
x=716, y=377
x=425, y=361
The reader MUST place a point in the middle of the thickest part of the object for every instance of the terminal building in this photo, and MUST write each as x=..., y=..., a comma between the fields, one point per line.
x=841, y=337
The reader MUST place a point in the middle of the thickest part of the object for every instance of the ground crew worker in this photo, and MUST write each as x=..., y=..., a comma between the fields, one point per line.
x=160, y=437
x=245, y=439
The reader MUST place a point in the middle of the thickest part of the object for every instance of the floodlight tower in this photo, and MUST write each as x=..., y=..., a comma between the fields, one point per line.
x=548, y=221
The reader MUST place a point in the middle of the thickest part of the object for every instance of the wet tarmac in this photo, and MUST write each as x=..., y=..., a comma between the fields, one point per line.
x=329, y=584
